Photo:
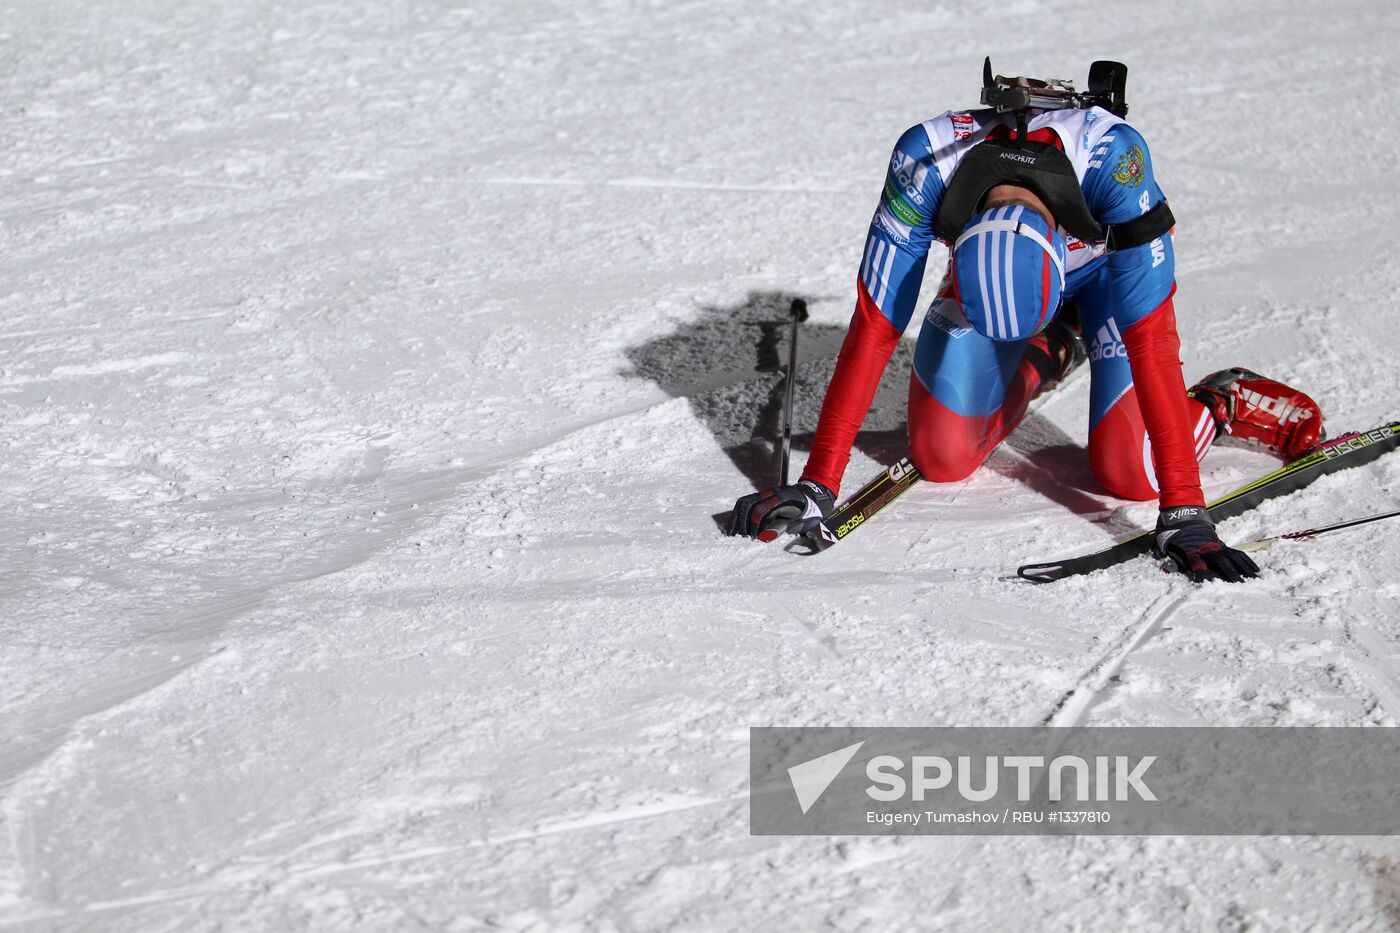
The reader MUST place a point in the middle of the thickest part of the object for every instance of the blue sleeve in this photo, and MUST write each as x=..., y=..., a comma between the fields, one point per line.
x=1119, y=186
x=901, y=232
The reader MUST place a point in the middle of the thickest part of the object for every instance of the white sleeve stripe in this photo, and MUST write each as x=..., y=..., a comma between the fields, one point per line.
x=885, y=276
x=865, y=266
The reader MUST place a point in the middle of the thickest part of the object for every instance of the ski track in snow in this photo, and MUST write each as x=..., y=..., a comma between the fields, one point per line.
x=1073, y=709
x=369, y=374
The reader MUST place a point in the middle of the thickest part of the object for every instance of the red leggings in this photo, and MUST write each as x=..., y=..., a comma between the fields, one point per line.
x=948, y=447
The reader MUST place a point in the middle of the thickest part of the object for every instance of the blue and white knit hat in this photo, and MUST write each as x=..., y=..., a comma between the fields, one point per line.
x=1009, y=272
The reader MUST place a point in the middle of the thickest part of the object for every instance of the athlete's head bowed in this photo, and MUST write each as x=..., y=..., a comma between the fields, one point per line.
x=1009, y=271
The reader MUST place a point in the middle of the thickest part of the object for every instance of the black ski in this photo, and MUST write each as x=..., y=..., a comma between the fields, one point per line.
x=869, y=499
x=1349, y=450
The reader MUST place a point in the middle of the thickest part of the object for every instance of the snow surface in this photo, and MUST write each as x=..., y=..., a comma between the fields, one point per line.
x=369, y=373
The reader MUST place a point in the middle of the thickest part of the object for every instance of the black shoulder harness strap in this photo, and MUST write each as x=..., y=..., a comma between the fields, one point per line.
x=1041, y=167
x=1046, y=170
x=1142, y=229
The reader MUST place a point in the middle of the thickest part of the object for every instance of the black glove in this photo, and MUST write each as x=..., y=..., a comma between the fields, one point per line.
x=799, y=508
x=1187, y=535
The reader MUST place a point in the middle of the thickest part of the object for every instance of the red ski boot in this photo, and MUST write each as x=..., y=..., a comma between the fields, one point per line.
x=1260, y=411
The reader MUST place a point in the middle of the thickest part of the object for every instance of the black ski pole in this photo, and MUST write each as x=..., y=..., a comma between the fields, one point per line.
x=798, y=312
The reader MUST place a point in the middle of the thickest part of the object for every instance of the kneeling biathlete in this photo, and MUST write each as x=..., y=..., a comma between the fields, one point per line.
x=1060, y=248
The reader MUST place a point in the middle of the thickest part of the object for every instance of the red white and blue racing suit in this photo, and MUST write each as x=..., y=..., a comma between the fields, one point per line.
x=967, y=392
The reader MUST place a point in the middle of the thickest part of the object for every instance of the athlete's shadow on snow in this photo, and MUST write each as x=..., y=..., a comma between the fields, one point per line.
x=1052, y=464
x=729, y=363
